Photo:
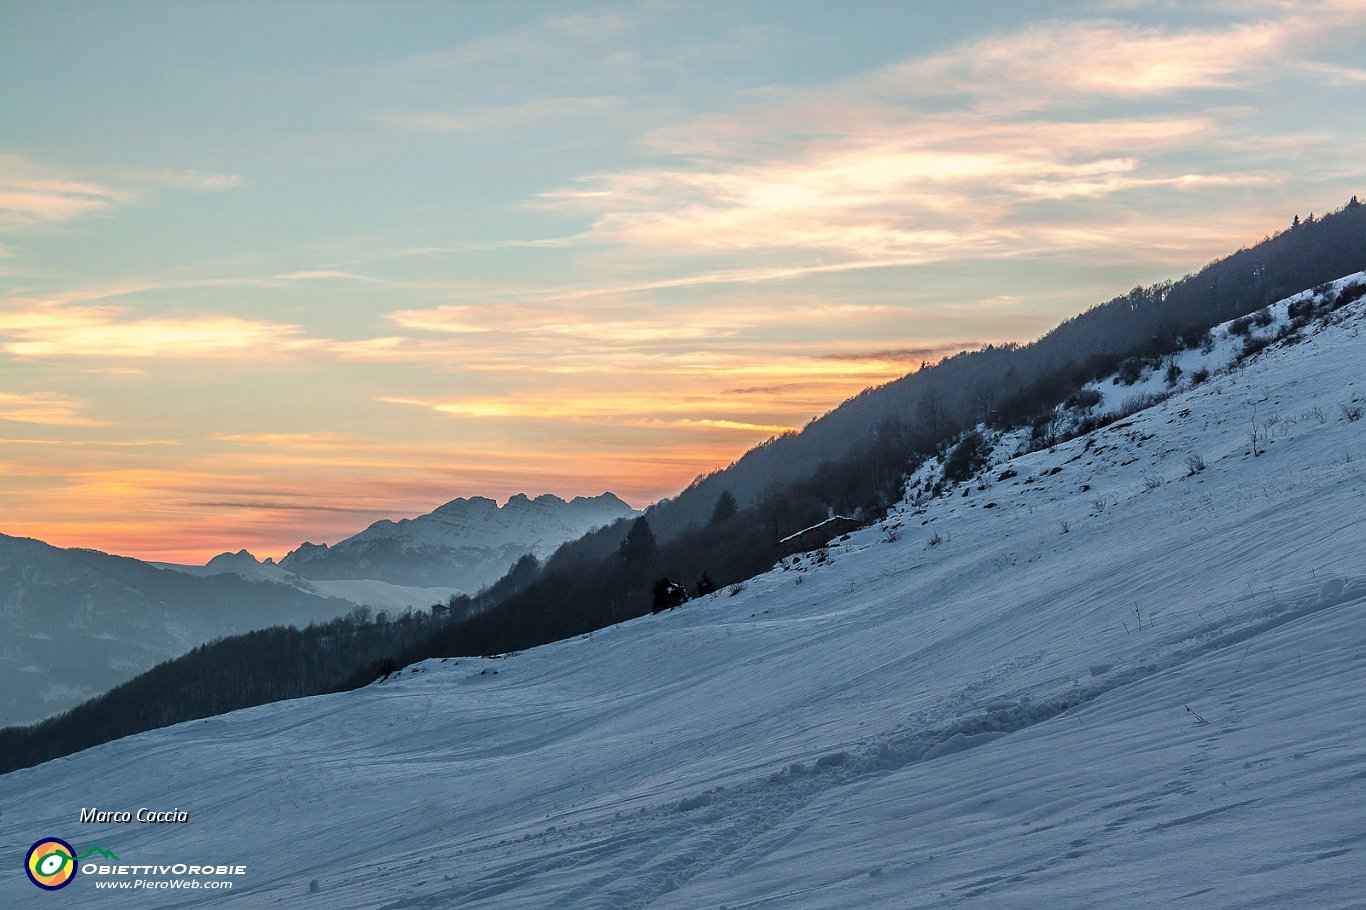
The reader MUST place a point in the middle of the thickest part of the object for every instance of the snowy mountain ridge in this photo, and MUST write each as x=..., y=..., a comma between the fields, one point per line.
x=465, y=543
x=459, y=547
x=1092, y=674
x=520, y=518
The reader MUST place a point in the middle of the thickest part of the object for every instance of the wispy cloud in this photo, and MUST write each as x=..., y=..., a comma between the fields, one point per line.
x=195, y=181
x=474, y=246
x=606, y=335
x=1052, y=61
x=45, y=408
x=624, y=410
x=91, y=443
x=1337, y=75
x=327, y=275
x=715, y=424
x=898, y=190
x=951, y=155
x=1059, y=62
x=278, y=506
x=34, y=194
x=30, y=194
x=110, y=333
x=322, y=441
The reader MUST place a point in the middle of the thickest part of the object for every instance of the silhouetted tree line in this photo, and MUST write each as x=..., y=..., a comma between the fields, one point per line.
x=725, y=526
x=239, y=671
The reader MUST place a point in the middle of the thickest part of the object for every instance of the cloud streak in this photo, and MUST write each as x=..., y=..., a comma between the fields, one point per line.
x=34, y=194
x=30, y=195
x=899, y=192
x=1054, y=61
x=49, y=330
x=45, y=408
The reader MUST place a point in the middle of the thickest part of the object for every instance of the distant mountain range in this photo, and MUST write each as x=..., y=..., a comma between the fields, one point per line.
x=78, y=622
x=464, y=544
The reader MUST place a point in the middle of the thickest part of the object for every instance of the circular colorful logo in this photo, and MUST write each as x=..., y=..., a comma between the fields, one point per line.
x=51, y=863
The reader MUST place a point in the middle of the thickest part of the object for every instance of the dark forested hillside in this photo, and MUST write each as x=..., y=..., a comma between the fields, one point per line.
x=76, y=622
x=241, y=671
x=970, y=386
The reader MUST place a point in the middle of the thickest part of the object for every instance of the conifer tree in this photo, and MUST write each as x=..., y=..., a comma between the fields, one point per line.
x=726, y=507
x=639, y=547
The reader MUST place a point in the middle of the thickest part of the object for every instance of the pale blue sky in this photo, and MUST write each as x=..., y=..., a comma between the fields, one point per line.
x=258, y=259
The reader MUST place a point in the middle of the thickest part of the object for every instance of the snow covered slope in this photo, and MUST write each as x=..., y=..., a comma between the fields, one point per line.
x=1110, y=679
x=464, y=544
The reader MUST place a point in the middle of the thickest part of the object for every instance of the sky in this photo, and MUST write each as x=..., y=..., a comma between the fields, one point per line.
x=272, y=271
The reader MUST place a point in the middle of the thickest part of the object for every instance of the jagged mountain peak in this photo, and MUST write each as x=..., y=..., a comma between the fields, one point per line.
x=484, y=504
x=241, y=557
x=467, y=543
x=463, y=504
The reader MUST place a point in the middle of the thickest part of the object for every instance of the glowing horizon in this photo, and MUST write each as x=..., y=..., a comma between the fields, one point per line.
x=270, y=274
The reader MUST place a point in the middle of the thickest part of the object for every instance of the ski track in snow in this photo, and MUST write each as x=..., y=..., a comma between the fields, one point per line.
x=1158, y=705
